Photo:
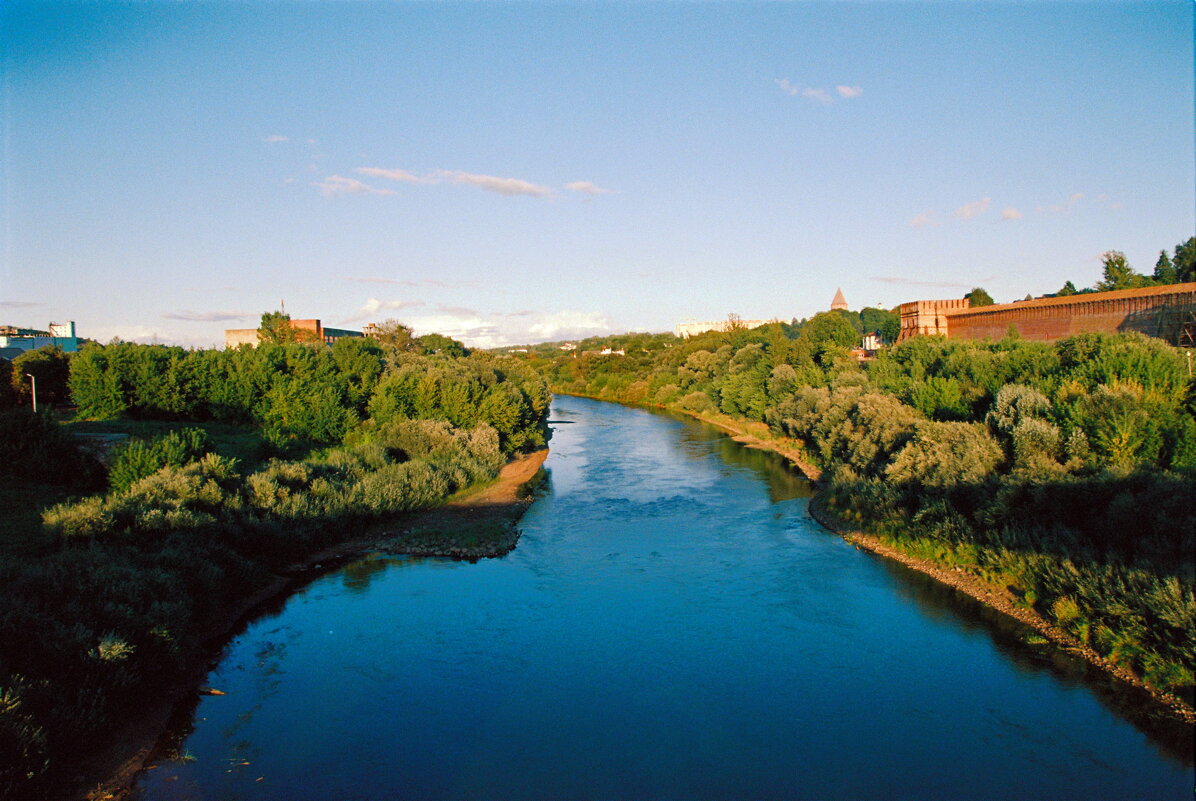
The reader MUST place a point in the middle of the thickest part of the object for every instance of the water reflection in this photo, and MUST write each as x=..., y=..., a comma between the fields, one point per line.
x=1016, y=641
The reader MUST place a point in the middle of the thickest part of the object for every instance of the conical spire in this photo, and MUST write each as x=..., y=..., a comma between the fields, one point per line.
x=839, y=302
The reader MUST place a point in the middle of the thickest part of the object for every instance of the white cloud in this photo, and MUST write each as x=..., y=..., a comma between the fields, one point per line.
x=374, y=308
x=787, y=87
x=394, y=175
x=813, y=93
x=335, y=185
x=508, y=187
x=272, y=138
x=482, y=330
x=1010, y=213
x=970, y=210
x=924, y=219
x=207, y=317
x=587, y=188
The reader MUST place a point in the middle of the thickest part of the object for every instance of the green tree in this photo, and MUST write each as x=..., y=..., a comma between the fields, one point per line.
x=1118, y=274
x=276, y=329
x=1185, y=260
x=829, y=328
x=8, y=396
x=50, y=367
x=1068, y=289
x=882, y=321
x=1164, y=270
x=979, y=297
x=438, y=343
x=393, y=334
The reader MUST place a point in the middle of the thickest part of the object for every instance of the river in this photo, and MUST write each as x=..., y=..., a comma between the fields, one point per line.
x=672, y=625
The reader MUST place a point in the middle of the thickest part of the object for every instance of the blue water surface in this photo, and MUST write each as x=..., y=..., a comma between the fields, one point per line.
x=672, y=625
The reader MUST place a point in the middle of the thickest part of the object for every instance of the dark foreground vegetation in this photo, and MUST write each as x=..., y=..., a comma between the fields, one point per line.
x=241, y=462
x=1065, y=472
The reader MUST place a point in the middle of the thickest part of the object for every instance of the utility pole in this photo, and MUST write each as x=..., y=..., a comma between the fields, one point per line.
x=33, y=383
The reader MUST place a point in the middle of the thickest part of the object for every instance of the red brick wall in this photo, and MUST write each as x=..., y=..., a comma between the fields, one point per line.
x=1155, y=311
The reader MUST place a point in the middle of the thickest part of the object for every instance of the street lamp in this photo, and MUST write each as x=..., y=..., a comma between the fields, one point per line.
x=33, y=383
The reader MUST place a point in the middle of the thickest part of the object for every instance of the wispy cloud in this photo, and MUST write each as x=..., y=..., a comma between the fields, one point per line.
x=815, y=93
x=587, y=188
x=19, y=304
x=1010, y=213
x=394, y=175
x=787, y=87
x=888, y=279
x=970, y=210
x=1062, y=208
x=508, y=187
x=924, y=219
x=207, y=317
x=373, y=307
x=272, y=138
x=335, y=185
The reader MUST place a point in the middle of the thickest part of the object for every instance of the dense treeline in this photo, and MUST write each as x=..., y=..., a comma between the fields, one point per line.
x=1064, y=471
x=108, y=604
x=309, y=395
x=1117, y=273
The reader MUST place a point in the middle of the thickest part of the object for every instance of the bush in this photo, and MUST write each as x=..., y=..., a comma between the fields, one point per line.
x=140, y=458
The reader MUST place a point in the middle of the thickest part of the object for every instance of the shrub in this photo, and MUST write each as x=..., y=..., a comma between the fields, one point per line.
x=140, y=458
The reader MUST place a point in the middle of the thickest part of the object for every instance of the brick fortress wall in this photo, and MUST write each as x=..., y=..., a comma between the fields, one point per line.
x=1159, y=311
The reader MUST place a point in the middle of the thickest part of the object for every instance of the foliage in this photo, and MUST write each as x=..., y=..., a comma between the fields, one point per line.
x=979, y=297
x=305, y=395
x=35, y=448
x=1117, y=273
x=140, y=458
x=50, y=367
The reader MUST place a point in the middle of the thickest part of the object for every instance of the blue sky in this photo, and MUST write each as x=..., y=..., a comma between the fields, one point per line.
x=507, y=173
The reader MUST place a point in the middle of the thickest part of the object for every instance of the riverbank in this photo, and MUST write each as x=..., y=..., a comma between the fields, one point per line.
x=757, y=435
x=476, y=523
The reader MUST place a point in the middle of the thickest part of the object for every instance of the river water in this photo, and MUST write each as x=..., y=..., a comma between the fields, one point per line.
x=672, y=625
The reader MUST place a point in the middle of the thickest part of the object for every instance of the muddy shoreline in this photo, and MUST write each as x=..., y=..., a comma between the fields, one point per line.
x=754, y=435
x=490, y=513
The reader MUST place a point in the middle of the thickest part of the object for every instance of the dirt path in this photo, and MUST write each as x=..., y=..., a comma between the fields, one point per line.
x=472, y=525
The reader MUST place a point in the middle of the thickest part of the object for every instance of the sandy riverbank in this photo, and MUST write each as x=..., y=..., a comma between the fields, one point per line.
x=472, y=525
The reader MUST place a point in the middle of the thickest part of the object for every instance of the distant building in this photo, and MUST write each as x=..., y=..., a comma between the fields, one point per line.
x=235, y=337
x=872, y=342
x=692, y=329
x=15, y=341
x=840, y=302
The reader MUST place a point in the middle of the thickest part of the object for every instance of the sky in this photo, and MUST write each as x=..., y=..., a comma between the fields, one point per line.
x=513, y=173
